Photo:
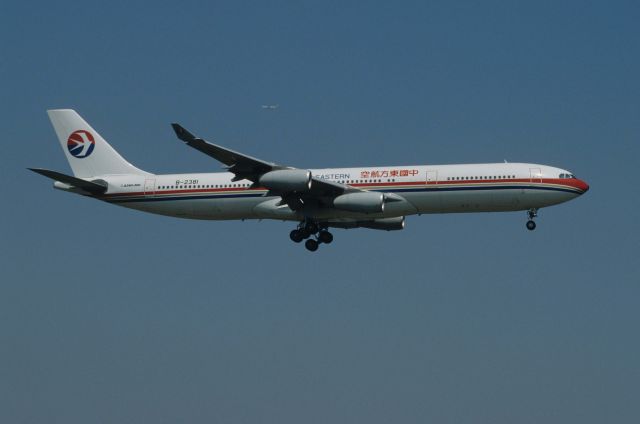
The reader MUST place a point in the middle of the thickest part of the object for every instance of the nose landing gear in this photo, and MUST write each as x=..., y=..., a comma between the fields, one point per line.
x=307, y=229
x=531, y=224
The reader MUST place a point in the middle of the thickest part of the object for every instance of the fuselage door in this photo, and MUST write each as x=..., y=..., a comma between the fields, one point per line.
x=536, y=175
x=149, y=187
x=432, y=177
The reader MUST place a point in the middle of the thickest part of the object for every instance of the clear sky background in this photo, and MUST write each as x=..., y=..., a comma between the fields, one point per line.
x=112, y=315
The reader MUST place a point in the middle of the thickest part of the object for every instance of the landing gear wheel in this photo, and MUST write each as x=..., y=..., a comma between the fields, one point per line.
x=296, y=236
x=311, y=227
x=325, y=237
x=311, y=245
x=531, y=225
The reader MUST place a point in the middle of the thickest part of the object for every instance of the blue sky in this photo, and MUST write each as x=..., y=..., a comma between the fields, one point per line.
x=108, y=314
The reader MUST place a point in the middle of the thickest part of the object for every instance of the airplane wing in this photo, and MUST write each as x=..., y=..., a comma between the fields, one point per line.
x=250, y=168
x=243, y=166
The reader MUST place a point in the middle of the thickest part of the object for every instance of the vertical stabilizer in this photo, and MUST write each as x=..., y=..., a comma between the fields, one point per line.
x=89, y=154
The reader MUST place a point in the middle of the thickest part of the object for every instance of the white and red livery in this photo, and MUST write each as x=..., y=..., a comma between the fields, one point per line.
x=378, y=197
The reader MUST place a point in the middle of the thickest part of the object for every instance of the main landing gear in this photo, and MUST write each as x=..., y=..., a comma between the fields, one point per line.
x=531, y=224
x=306, y=230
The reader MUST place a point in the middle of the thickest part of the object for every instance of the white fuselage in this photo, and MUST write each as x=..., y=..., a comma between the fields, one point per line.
x=421, y=189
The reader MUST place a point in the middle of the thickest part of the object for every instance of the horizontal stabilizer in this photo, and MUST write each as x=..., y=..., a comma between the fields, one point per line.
x=88, y=186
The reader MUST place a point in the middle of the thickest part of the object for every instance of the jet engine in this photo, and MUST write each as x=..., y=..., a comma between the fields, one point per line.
x=287, y=180
x=365, y=202
x=386, y=224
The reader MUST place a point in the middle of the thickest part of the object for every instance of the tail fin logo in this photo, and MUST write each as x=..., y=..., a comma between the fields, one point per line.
x=81, y=143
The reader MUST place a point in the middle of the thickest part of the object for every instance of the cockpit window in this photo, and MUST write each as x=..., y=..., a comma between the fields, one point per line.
x=564, y=176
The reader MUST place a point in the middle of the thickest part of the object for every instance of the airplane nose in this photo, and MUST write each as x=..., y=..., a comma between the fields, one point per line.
x=583, y=186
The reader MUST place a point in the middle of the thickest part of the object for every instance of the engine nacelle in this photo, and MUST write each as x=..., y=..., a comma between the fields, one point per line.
x=287, y=180
x=387, y=224
x=364, y=202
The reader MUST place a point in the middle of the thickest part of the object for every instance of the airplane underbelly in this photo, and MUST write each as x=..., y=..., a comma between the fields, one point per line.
x=441, y=200
x=467, y=201
x=444, y=200
x=425, y=201
x=213, y=209
x=241, y=208
x=537, y=198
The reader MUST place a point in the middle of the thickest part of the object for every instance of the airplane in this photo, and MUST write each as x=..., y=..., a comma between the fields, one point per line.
x=375, y=197
x=270, y=106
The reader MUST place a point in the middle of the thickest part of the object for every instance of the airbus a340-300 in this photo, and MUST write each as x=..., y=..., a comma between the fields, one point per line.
x=377, y=197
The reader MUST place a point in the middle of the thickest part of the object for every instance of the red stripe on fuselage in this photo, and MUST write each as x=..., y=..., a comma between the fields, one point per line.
x=569, y=183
